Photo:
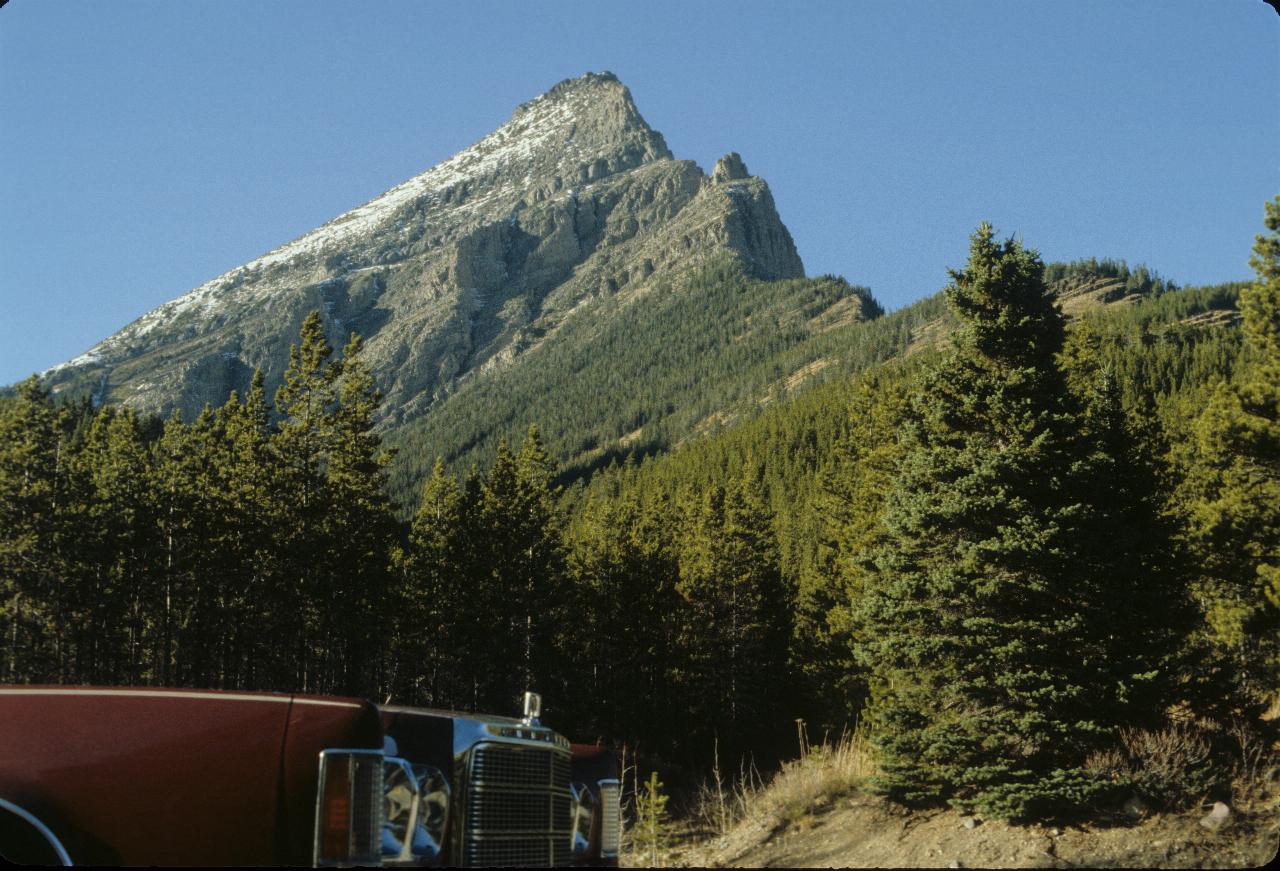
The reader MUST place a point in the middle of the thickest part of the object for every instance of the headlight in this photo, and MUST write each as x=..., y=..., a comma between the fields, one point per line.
x=415, y=800
x=610, y=818
x=584, y=808
x=348, y=807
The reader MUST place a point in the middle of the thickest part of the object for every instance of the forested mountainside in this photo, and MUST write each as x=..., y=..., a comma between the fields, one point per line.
x=636, y=377
x=700, y=355
x=1006, y=485
x=823, y=461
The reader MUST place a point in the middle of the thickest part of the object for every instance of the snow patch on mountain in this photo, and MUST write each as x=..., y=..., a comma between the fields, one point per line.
x=504, y=161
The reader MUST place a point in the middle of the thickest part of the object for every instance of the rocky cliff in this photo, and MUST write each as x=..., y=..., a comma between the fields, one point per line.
x=461, y=270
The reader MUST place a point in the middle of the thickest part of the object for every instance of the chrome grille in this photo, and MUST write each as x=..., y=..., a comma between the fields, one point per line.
x=495, y=764
x=493, y=810
x=518, y=852
x=518, y=807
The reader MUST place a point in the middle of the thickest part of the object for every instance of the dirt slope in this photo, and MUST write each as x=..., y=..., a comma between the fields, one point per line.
x=866, y=832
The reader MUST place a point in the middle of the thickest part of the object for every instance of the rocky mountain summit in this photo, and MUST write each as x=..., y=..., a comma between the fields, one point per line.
x=462, y=269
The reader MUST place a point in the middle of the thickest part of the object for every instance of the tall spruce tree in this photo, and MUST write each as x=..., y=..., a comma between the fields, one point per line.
x=1136, y=540
x=360, y=527
x=250, y=596
x=34, y=567
x=1232, y=491
x=436, y=620
x=975, y=622
x=304, y=400
x=1133, y=543
x=737, y=625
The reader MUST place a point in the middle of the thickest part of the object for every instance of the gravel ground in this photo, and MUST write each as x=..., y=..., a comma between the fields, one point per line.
x=869, y=832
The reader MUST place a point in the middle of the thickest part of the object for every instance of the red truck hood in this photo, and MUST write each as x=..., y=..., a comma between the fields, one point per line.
x=157, y=776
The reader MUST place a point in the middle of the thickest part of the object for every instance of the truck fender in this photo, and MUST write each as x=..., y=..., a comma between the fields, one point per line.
x=25, y=840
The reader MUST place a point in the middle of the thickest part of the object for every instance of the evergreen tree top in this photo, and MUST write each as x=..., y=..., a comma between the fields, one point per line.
x=1006, y=312
x=1260, y=303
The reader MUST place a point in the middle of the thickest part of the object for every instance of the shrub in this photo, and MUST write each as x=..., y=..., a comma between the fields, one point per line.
x=1256, y=765
x=1170, y=768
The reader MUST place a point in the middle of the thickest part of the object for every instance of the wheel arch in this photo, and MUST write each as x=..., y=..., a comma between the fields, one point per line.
x=40, y=839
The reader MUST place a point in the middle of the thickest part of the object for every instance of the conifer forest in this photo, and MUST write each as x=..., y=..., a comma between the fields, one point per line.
x=992, y=553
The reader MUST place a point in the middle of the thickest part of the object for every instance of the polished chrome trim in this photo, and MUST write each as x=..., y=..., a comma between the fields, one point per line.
x=466, y=832
x=532, y=709
x=584, y=810
x=419, y=781
x=40, y=827
x=611, y=813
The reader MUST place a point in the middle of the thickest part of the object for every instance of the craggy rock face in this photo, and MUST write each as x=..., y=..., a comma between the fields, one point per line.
x=460, y=269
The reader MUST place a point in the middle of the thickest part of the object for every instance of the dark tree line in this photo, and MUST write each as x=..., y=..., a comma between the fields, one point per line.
x=248, y=548
x=256, y=547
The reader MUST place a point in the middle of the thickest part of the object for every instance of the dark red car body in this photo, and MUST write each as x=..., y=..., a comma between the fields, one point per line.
x=110, y=776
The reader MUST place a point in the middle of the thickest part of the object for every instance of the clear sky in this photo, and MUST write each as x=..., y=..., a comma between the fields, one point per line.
x=146, y=147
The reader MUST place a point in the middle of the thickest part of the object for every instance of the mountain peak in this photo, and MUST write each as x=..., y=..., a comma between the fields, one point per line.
x=603, y=84
x=463, y=268
x=595, y=115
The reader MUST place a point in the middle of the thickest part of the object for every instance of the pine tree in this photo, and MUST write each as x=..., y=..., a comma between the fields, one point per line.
x=852, y=487
x=1233, y=489
x=333, y=514
x=623, y=639
x=184, y=503
x=986, y=689
x=517, y=564
x=117, y=597
x=251, y=608
x=734, y=644
x=541, y=570
x=33, y=511
x=304, y=401
x=360, y=527
x=760, y=619
x=433, y=646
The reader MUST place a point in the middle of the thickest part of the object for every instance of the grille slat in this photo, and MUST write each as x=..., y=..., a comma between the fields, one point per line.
x=501, y=810
x=519, y=810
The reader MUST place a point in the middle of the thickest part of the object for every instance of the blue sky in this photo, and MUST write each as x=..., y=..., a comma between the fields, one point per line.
x=146, y=147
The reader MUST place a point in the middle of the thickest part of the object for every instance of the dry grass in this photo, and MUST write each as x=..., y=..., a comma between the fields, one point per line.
x=823, y=773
